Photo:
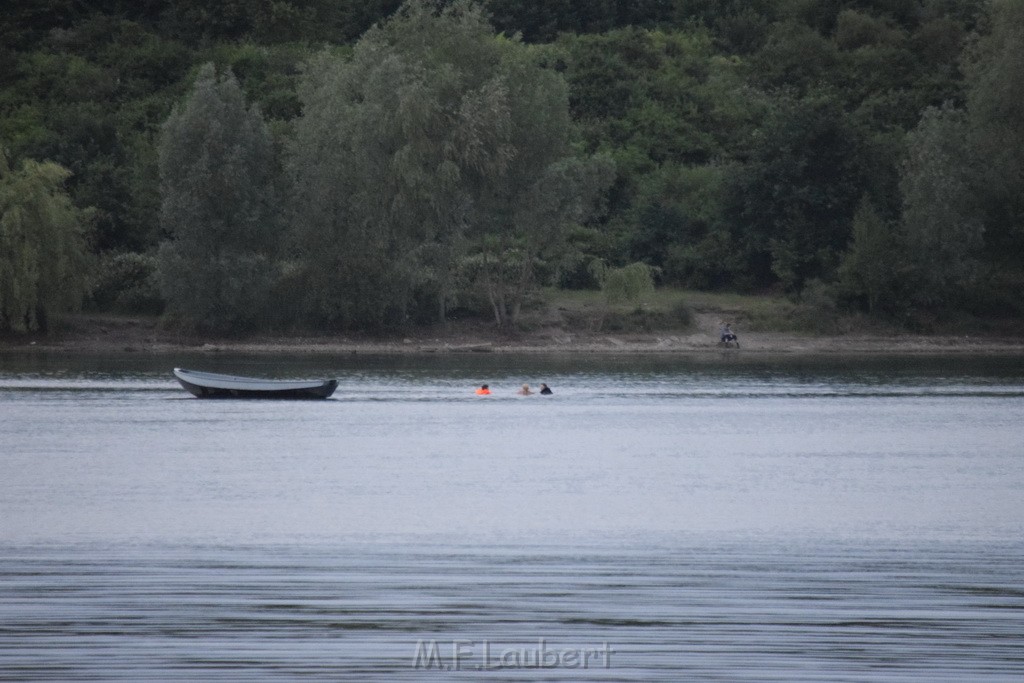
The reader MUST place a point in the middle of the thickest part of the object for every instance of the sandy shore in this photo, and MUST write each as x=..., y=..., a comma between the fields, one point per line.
x=97, y=334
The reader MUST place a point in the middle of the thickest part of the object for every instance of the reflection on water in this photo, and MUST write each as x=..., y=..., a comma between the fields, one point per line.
x=730, y=518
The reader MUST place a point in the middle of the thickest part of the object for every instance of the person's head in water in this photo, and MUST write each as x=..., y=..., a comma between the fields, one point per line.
x=544, y=388
x=525, y=391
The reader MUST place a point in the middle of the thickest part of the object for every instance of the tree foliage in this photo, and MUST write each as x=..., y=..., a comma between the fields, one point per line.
x=623, y=285
x=940, y=217
x=874, y=269
x=794, y=201
x=217, y=171
x=44, y=264
x=743, y=135
x=381, y=161
x=995, y=125
x=435, y=141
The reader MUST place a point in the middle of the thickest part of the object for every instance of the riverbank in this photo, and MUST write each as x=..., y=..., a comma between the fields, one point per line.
x=117, y=334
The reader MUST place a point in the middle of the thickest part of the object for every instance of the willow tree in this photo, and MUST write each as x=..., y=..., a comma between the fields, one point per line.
x=217, y=178
x=44, y=263
x=434, y=142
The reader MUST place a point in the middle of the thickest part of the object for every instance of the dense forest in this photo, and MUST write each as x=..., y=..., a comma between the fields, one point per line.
x=371, y=165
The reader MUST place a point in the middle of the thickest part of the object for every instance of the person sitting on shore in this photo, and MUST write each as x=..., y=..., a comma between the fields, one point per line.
x=525, y=391
x=726, y=335
x=545, y=390
x=484, y=390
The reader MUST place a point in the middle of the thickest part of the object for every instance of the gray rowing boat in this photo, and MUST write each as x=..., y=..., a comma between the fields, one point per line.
x=211, y=385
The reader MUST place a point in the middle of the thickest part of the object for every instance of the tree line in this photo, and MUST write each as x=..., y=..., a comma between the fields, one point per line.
x=257, y=164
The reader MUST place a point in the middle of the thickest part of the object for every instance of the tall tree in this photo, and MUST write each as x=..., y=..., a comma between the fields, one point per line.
x=379, y=163
x=522, y=212
x=217, y=173
x=435, y=134
x=940, y=216
x=792, y=204
x=44, y=264
x=873, y=269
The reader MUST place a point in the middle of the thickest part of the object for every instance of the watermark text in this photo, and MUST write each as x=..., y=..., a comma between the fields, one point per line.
x=482, y=655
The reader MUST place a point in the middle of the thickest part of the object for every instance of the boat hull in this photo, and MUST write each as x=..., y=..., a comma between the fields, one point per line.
x=210, y=385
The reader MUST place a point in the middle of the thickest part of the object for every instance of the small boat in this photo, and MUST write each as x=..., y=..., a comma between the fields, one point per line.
x=210, y=385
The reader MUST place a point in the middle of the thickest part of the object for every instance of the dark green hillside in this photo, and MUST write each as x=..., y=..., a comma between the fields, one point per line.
x=866, y=155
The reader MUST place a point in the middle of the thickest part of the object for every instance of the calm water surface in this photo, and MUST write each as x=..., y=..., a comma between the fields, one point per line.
x=659, y=518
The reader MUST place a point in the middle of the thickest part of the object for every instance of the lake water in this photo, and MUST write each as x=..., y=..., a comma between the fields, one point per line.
x=726, y=517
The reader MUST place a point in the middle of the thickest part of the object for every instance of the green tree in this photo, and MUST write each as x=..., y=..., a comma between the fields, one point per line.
x=621, y=285
x=436, y=139
x=795, y=58
x=995, y=70
x=217, y=172
x=655, y=101
x=873, y=269
x=525, y=223
x=739, y=25
x=680, y=226
x=44, y=263
x=523, y=212
x=791, y=206
x=944, y=232
x=92, y=99
x=381, y=163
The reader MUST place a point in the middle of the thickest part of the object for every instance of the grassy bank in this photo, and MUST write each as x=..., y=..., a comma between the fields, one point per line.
x=679, y=310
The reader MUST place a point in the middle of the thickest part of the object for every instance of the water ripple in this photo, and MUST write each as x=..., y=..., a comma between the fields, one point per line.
x=360, y=612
